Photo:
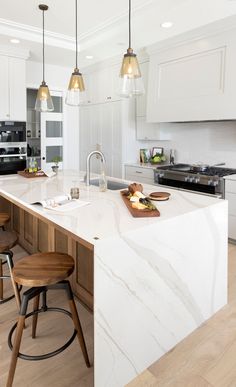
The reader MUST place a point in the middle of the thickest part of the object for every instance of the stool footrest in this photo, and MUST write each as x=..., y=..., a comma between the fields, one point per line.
x=49, y=354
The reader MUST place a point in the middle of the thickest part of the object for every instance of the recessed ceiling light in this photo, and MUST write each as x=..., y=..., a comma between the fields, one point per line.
x=15, y=41
x=89, y=57
x=166, y=24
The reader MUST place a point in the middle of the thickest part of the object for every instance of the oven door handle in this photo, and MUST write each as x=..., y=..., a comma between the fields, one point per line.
x=216, y=195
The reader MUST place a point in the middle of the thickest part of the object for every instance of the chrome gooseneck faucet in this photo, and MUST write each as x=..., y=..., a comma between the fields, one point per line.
x=96, y=152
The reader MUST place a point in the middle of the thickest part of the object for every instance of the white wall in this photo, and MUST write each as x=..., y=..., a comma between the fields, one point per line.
x=57, y=78
x=207, y=142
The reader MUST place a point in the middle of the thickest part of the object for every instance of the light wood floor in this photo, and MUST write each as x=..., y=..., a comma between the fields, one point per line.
x=65, y=370
x=206, y=358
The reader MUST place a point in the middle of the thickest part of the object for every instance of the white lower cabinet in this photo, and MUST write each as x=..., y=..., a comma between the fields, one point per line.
x=230, y=195
x=139, y=174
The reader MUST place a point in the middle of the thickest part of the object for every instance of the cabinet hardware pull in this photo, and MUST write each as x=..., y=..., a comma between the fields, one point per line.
x=138, y=172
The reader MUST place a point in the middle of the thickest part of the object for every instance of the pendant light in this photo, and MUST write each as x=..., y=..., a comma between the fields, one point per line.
x=76, y=84
x=131, y=82
x=43, y=101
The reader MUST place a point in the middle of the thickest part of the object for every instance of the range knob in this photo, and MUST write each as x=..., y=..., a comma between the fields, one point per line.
x=210, y=182
x=196, y=180
x=187, y=179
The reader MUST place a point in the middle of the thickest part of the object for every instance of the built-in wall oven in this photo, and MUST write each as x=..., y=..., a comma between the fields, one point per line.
x=13, y=147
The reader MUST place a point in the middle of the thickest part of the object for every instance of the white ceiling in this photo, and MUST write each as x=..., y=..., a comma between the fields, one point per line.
x=102, y=25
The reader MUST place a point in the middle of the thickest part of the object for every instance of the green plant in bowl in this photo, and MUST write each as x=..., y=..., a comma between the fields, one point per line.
x=158, y=158
x=56, y=160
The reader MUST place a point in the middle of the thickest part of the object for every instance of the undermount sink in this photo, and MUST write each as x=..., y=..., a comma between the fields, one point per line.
x=113, y=185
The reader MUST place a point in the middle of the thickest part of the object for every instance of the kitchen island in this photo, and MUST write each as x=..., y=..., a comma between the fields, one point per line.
x=149, y=281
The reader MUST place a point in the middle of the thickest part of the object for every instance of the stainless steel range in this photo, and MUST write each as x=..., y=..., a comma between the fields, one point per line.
x=203, y=179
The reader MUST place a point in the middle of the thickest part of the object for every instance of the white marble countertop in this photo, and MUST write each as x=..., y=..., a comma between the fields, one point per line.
x=230, y=177
x=106, y=215
x=155, y=279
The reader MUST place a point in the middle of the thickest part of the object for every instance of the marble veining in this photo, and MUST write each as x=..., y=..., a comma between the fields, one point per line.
x=155, y=279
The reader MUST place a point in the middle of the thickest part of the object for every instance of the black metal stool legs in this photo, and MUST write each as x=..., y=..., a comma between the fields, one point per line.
x=6, y=257
x=77, y=323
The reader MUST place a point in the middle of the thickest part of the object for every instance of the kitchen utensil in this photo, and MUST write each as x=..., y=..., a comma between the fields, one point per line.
x=203, y=167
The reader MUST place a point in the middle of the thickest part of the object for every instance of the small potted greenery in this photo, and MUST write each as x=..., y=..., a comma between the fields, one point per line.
x=56, y=160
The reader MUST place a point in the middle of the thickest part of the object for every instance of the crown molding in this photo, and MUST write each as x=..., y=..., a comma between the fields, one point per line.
x=34, y=34
x=114, y=21
x=15, y=52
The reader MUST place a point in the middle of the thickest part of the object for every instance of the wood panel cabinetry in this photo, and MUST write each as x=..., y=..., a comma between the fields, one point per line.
x=13, y=89
x=38, y=235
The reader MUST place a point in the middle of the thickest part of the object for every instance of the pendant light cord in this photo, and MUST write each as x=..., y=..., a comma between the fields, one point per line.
x=76, y=34
x=129, y=23
x=43, y=51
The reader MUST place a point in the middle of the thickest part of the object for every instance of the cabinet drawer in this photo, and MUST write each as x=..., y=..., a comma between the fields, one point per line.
x=230, y=186
x=232, y=227
x=139, y=171
x=231, y=197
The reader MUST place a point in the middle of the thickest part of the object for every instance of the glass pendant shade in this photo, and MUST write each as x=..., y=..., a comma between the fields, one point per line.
x=76, y=86
x=131, y=82
x=130, y=66
x=44, y=100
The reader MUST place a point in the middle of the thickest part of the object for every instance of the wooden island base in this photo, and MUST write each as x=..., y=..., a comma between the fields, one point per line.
x=37, y=234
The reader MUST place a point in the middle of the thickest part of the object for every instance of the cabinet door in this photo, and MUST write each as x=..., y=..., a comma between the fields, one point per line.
x=150, y=131
x=117, y=139
x=141, y=101
x=95, y=136
x=17, y=86
x=115, y=82
x=84, y=135
x=194, y=81
x=106, y=134
x=51, y=139
x=4, y=95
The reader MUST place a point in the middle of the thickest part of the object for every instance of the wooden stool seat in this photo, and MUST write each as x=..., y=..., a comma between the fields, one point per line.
x=4, y=218
x=42, y=272
x=43, y=269
x=8, y=239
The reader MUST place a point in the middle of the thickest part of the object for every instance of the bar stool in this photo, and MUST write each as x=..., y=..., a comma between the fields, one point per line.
x=42, y=272
x=8, y=239
x=4, y=218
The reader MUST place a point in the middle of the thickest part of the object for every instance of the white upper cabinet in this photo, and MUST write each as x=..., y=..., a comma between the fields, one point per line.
x=194, y=81
x=146, y=131
x=102, y=85
x=4, y=95
x=13, y=89
x=141, y=101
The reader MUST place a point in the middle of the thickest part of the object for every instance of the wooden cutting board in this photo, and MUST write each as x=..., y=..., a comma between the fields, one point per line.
x=30, y=175
x=138, y=213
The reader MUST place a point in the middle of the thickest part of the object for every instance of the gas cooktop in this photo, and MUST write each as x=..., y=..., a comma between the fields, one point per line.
x=209, y=171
